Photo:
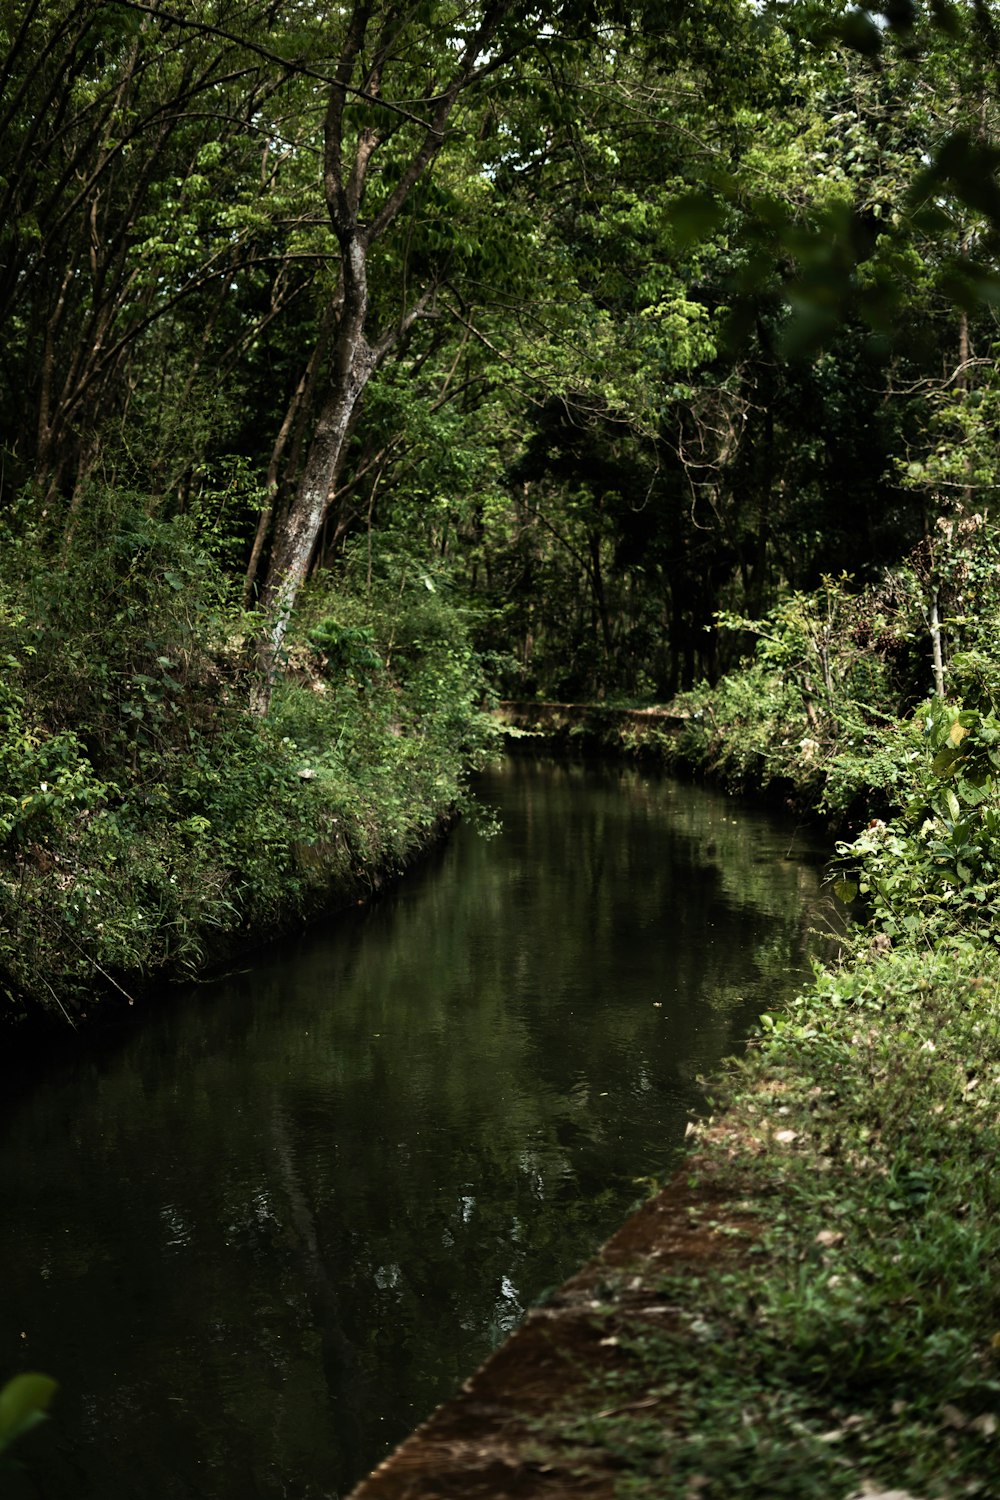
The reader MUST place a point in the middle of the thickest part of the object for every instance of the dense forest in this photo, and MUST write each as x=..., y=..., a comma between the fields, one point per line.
x=364, y=363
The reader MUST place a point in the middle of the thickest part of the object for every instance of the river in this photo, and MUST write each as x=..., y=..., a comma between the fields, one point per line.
x=259, y=1235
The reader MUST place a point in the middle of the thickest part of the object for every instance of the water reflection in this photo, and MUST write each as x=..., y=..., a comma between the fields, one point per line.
x=262, y=1238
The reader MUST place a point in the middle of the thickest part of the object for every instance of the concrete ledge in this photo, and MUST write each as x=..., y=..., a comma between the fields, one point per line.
x=593, y=720
x=487, y=1442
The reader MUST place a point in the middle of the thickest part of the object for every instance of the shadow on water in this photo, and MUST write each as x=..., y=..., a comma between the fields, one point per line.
x=261, y=1236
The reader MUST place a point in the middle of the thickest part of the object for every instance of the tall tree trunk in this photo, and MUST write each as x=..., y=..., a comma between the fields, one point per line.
x=293, y=545
x=300, y=398
x=354, y=361
x=601, y=603
x=937, y=653
x=371, y=39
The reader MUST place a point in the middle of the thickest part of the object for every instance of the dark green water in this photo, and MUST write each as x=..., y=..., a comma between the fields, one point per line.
x=263, y=1234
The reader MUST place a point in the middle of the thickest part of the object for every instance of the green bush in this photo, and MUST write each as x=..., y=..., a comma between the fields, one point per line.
x=822, y=710
x=934, y=872
x=809, y=712
x=145, y=814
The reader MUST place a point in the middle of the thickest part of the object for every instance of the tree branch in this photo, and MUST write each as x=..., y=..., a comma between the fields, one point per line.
x=294, y=65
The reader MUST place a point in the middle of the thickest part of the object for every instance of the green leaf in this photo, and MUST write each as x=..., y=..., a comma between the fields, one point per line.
x=845, y=891
x=24, y=1402
x=694, y=217
x=944, y=762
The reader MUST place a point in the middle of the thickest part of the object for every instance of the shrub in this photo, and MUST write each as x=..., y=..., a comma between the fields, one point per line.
x=934, y=873
x=145, y=814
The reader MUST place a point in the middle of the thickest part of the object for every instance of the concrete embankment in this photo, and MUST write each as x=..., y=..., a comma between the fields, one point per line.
x=500, y=1435
x=590, y=727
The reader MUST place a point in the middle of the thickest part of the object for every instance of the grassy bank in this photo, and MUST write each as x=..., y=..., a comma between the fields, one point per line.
x=843, y=1338
x=149, y=822
x=847, y=1339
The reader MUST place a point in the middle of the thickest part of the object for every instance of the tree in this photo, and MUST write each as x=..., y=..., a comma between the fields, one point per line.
x=433, y=57
x=132, y=187
x=409, y=83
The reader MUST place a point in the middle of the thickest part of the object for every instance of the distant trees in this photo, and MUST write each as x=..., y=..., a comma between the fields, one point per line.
x=830, y=240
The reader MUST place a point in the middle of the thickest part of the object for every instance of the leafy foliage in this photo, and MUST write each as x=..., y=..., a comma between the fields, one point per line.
x=933, y=873
x=823, y=712
x=811, y=712
x=168, y=819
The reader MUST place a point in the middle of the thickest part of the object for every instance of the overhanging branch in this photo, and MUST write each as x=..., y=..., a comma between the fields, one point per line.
x=292, y=65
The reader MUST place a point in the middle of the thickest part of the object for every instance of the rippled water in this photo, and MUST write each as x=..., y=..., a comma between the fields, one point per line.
x=261, y=1235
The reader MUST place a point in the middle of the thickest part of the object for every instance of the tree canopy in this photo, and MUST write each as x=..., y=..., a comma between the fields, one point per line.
x=631, y=312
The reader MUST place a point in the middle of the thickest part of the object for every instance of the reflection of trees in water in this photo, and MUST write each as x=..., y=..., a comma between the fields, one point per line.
x=283, y=1221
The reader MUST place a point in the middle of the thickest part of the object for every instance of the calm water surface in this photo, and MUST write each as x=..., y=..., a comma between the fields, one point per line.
x=259, y=1237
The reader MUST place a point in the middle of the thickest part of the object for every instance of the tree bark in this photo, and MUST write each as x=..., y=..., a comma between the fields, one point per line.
x=937, y=653
x=355, y=363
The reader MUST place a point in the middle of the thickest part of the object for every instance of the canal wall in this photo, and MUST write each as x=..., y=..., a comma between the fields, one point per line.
x=590, y=728
x=503, y=1435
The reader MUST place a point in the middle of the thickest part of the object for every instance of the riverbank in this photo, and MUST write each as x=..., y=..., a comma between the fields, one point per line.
x=809, y=1307
x=106, y=919
x=151, y=824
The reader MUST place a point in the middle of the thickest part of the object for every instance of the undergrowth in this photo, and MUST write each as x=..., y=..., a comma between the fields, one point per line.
x=824, y=709
x=147, y=818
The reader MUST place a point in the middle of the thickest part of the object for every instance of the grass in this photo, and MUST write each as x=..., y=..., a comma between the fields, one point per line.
x=850, y=1342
